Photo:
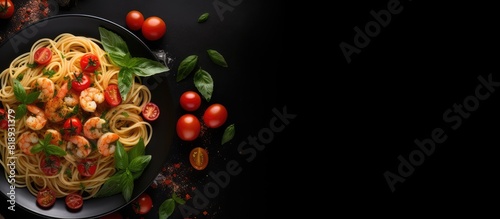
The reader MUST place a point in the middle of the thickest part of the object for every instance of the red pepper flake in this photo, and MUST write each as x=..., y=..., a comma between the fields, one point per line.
x=205, y=213
x=177, y=165
x=167, y=181
x=188, y=197
x=174, y=175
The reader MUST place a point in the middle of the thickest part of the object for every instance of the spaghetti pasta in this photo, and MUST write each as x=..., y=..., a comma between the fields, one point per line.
x=57, y=102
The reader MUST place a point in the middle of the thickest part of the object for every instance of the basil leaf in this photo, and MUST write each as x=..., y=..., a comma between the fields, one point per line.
x=137, y=174
x=112, y=186
x=125, y=81
x=21, y=111
x=204, y=83
x=37, y=148
x=120, y=59
x=146, y=67
x=166, y=208
x=138, y=164
x=113, y=44
x=228, y=134
x=128, y=186
x=121, y=157
x=217, y=58
x=30, y=98
x=54, y=150
x=137, y=150
x=186, y=67
x=178, y=199
x=19, y=91
x=203, y=17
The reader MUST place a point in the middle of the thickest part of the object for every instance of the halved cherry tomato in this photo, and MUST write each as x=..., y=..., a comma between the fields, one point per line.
x=89, y=62
x=6, y=9
x=188, y=127
x=134, y=20
x=43, y=55
x=143, y=204
x=215, y=115
x=4, y=124
x=190, y=101
x=151, y=112
x=198, y=158
x=81, y=82
x=112, y=95
x=50, y=165
x=87, y=167
x=46, y=197
x=153, y=28
x=74, y=201
x=72, y=126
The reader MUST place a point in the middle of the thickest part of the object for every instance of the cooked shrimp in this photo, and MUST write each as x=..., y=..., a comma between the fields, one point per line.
x=90, y=97
x=36, y=121
x=63, y=104
x=94, y=128
x=26, y=141
x=56, y=136
x=107, y=143
x=46, y=88
x=79, y=146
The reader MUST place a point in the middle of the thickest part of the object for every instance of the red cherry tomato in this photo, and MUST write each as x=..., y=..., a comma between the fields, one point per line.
x=87, y=167
x=46, y=198
x=112, y=95
x=190, y=101
x=143, y=204
x=151, y=112
x=74, y=201
x=72, y=126
x=215, y=115
x=50, y=165
x=198, y=158
x=6, y=9
x=134, y=20
x=153, y=28
x=4, y=124
x=188, y=127
x=89, y=62
x=43, y=55
x=81, y=82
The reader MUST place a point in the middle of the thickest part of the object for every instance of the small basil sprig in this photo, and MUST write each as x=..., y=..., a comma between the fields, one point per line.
x=204, y=83
x=130, y=166
x=186, y=66
x=228, y=134
x=203, y=17
x=130, y=67
x=217, y=58
x=168, y=206
x=24, y=98
x=49, y=149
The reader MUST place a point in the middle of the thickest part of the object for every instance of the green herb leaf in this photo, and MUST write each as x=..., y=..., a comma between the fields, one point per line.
x=128, y=185
x=49, y=73
x=166, y=208
x=19, y=91
x=178, y=199
x=121, y=157
x=125, y=81
x=203, y=17
x=112, y=186
x=30, y=98
x=228, y=134
x=204, y=83
x=138, y=164
x=186, y=67
x=120, y=59
x=146, y=67
x=137, y=150
x=21, y=111
x=37, y=148
x=113, y=44
x=217, y=58
x=54, y=150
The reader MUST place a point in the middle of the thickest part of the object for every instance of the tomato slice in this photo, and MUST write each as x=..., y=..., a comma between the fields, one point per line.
x=151, y=112
x=198, y=158
x=46, y=198
x=112, y=95
x=87, y=167
x=43, y=55
x=74, y=201
x=50, y=165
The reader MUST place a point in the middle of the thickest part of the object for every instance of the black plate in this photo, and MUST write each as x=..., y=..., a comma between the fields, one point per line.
x=163, y=127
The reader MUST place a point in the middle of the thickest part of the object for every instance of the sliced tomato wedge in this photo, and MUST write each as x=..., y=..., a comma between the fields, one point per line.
x=46, y=198
x=112, y=95
x=43, y=55
x=151, y=112
x=74, y=201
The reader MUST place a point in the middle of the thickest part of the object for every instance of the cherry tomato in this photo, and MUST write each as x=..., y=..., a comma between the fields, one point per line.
x=74, y=201
x=215, y=115
x=112, y=95
x=153, y=28
x=190, y=101
x=46, y=197
x=50, y=165
x=6, y=9
x=4, y=124
x=114, y=215
x=151, y=112
x=87, y=167
x=43, y=55
x=188, y=127
x=89, y=62
x=143, y=204
x=81, y=82
x=198, y=158
x=134, y=20
x=72, y=126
